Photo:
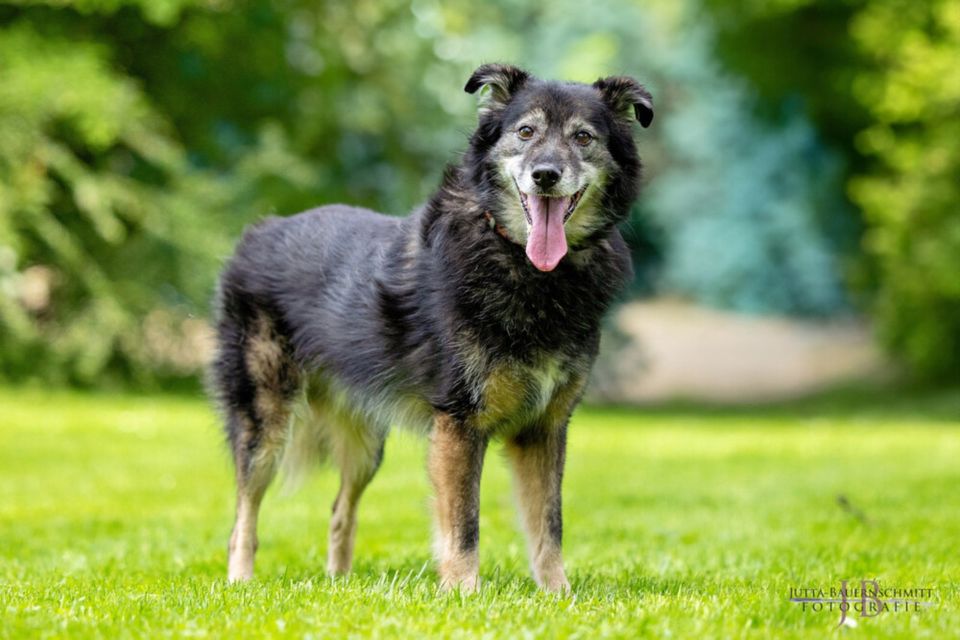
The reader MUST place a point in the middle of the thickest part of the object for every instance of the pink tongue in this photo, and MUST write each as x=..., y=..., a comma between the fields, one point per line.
x=546, y=243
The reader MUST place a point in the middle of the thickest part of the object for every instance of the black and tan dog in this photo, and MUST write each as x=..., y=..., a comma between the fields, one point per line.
x=476, y=317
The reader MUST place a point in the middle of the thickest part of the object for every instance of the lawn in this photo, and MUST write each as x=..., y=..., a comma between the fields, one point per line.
x=680, y=521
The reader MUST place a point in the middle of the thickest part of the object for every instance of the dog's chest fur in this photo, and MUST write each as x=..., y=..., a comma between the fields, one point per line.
x=484, y=336
x=512, y=394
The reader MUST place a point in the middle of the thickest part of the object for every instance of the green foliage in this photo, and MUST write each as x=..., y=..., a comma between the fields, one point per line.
x=99, y=214
x=746, y=206
x=747, y=235
x=137, y=137
x=133, y=146
x=796, y=54
x=911, y=201
x=112, y=229
x=879, y=79
x=154, y=11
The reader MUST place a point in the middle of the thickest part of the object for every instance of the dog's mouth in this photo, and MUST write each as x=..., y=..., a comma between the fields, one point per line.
x=546, y=215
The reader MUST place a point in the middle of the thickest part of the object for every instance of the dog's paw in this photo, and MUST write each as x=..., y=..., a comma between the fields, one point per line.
x=561, y=586
x=554, y=582
x=337, y=567
x=240, y=566
x=239, y=574
x=463, y=584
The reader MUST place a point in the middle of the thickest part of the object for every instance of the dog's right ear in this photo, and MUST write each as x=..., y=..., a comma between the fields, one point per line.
x=504, y=81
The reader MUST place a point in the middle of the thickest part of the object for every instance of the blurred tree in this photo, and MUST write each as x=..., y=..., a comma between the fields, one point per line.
x=911, y=201
x=99, y=216
x=888, y=97
x=138, y=137
x=797, y=54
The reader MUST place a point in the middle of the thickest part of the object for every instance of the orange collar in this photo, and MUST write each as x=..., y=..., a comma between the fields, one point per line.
x=496, y=226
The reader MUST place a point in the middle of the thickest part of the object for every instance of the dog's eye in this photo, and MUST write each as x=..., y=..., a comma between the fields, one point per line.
x=583, y=138
x=525, y=133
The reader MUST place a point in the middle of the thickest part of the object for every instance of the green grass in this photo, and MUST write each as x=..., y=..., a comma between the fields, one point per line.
x=682, y=522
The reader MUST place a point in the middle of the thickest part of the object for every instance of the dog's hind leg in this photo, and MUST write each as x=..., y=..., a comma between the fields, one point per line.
x=357, y=469
x=355, y=446
x=259, y=398
x=257, y=456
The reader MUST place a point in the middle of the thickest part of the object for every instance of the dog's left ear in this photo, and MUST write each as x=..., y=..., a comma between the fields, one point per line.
x=624, y=94
x=504, y=81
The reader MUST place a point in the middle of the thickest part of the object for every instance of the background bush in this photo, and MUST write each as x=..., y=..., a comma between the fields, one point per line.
x=911, y=198
x=98, y=214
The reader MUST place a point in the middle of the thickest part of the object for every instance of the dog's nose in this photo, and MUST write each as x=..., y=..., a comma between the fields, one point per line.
x=545, y=176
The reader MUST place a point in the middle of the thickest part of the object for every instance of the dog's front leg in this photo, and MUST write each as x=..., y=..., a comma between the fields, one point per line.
x=537, y=458
x=455, y=463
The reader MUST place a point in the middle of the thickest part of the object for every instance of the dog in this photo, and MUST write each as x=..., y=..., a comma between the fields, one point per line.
x=476, y=317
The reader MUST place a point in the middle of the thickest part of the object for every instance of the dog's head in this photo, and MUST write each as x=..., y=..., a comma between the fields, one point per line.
x=556, y=161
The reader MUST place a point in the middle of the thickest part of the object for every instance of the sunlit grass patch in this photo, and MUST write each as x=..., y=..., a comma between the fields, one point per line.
x=683, y=521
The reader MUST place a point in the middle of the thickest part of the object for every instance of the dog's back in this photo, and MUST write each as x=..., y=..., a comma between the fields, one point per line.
x=280, y=259
x=311, y=278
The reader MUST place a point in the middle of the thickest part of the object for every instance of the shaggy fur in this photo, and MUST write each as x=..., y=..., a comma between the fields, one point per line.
x=339, y=323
